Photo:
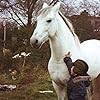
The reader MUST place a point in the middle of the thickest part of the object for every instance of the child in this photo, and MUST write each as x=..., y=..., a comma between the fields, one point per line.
x=79, y=79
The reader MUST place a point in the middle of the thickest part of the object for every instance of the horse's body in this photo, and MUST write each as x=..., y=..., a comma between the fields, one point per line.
x=50, y=25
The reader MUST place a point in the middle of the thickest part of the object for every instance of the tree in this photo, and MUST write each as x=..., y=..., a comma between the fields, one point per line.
x=82, y=25
x=93, y=7
x=68, y=7
x=19, y=10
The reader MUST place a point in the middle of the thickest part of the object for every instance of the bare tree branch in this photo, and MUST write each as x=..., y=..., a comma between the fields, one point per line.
x=15, y=13
x=14, y=18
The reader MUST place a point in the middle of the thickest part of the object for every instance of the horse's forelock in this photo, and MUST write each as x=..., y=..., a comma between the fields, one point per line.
x=43, y=12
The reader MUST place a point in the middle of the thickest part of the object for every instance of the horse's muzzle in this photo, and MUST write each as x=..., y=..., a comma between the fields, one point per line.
x=35, y=43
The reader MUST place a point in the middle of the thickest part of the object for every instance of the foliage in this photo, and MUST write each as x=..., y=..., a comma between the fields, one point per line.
x=82, y=25
x=9, y=28
x=35, y=77
x=93, y=7
x=29, y=85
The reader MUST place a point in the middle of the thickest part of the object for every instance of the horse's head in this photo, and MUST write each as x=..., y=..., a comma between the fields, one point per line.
x=46, y=24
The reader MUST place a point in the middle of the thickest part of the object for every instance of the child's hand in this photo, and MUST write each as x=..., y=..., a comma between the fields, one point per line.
x=68, y=54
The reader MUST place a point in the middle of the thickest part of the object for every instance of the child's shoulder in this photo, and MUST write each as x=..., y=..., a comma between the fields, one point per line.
x=81, y=78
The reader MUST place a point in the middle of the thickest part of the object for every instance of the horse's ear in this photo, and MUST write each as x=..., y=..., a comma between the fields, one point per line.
x=56, y=7
x=45, y=5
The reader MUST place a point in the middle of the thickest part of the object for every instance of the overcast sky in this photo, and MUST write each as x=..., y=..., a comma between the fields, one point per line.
x=89, y=0
x=77, y=1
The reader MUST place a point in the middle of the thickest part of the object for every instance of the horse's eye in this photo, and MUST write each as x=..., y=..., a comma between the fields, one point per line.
x=49, y=20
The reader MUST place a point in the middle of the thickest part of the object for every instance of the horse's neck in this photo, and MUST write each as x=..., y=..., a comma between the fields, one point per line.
x=63, y=42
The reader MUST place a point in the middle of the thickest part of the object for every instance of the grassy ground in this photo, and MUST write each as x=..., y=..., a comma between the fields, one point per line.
x=28, y=87
x=30, y=79
x=29, y=92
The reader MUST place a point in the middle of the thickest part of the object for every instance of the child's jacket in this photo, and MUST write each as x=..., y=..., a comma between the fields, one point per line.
x=75, y=90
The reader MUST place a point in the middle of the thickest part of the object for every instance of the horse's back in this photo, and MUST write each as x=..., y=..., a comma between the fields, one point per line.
x=91, y=53
x=91, y=46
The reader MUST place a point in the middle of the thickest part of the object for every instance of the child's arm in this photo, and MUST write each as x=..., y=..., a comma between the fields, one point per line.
x=68, y=60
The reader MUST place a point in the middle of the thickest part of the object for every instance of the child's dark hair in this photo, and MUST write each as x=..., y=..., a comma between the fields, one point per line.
x=80, y=67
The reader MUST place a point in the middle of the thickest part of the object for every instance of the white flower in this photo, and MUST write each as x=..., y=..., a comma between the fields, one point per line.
x=16, y=56
x=23, y=53
x=28, y=54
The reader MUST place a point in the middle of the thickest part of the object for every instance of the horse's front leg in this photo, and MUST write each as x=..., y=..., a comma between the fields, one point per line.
x=60, y=90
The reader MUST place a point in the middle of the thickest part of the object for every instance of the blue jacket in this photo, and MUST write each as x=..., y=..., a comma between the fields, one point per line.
x=75, y=90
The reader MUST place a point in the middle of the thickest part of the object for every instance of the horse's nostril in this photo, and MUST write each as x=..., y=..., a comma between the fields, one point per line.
x=36, y=41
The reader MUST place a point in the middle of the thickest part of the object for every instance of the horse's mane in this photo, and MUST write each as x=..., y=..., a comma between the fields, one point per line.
x=70, y=26
x=67, y=21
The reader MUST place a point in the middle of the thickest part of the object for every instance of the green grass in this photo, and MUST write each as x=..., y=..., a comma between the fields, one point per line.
x=30, y=90
x=30, y=79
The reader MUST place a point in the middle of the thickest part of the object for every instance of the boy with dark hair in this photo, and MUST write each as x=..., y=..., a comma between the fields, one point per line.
x=79, y=79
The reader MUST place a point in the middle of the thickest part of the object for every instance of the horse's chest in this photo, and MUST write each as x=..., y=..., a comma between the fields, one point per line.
x=58, y=71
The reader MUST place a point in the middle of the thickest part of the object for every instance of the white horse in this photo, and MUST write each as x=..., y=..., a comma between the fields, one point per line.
x=53, y=26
